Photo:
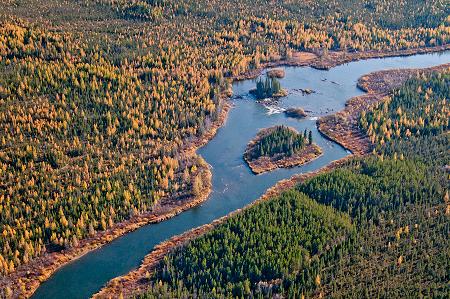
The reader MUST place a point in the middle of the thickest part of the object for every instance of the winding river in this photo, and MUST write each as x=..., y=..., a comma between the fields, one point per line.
x=234, y=185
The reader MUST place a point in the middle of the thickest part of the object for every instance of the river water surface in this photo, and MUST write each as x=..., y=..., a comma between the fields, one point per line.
x=234, y=186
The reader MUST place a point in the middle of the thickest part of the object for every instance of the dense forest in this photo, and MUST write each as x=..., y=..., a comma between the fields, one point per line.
x=279, y=140
x=379, y=227
x=421, y=107
x=85, y=143
x=290, y=237
x=97, y=97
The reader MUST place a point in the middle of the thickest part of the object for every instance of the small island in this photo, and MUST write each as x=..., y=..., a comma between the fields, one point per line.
x=295, y=113
x=280, y=147
x=269, y=88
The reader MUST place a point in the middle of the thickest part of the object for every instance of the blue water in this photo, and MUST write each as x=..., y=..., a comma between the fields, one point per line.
x=234, y=186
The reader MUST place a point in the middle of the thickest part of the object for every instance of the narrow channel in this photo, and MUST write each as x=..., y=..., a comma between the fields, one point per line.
x=234, y=185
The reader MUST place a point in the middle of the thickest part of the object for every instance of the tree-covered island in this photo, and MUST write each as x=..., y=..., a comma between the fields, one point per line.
x=280, y=146
x=268, y=88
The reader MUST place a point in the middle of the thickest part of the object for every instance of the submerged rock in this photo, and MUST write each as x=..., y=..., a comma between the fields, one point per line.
x=304, y=91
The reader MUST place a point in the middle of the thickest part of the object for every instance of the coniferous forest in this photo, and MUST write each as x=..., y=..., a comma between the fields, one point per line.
x=420, y=108
x=376, y=227
x=99, y=100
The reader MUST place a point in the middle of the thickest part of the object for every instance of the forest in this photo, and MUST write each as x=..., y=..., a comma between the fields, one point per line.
x=421, y=107
x=84, y=143
x=279, y=140
x=98, y=98
x=376, y=227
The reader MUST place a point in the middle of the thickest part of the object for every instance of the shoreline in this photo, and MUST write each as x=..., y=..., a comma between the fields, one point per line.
x=40, y=269
x=26, y=279
x=343, y=127
x=135, y=281
x=333, y=59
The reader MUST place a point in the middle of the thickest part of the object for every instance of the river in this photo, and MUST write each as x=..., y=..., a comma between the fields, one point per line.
x=234, y=186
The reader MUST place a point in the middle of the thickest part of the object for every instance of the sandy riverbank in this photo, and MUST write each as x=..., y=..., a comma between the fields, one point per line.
x=333, y=59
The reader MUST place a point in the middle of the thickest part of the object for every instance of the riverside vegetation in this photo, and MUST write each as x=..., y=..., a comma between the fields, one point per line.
x=378, y=226
x=99, y=98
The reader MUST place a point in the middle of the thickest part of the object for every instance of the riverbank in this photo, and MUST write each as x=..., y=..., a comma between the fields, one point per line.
x=343, y=126
x=378, y=83
x=333, y=59
x=268, y=163
x=26, y=279
x=136, y=281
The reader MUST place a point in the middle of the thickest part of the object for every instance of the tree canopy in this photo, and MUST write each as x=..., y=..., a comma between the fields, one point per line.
x=98, y=97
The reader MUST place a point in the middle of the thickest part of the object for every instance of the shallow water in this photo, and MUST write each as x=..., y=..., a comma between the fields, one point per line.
x=234, y=185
